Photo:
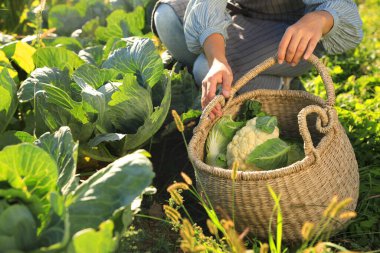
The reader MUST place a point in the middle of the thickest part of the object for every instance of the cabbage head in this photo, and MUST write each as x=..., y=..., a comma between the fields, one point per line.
x=220, y=135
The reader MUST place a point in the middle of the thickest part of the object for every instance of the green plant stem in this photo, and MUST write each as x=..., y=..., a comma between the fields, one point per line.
x=38, y=29
x=151, y=217
x=185, y=142
x=336, y=246
x=150, y=144
x=39, y=23
x=320, y=231
x=187, y=213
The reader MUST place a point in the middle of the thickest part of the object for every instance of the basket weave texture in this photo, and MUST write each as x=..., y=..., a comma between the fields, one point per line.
x=306, y=187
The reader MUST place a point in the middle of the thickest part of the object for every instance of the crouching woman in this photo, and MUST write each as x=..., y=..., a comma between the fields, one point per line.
x=220, y=41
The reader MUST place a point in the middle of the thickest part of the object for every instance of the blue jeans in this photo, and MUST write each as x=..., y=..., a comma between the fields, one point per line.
x=170, y=30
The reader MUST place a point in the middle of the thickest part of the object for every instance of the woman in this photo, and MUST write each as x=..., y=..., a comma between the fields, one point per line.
x=219, y=48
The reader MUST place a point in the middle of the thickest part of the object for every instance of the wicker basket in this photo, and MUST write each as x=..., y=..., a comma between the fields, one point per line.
x=306, y=187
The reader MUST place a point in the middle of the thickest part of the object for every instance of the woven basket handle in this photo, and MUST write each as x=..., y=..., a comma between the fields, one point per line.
x=325, y=122
x=322, y=70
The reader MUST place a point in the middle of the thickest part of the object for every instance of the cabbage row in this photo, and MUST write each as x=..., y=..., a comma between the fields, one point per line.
x=92, y=85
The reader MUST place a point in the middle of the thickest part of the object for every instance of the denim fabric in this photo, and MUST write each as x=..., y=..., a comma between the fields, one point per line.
x=170, y=30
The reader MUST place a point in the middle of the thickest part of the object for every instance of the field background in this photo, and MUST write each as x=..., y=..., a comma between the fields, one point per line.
x=356, y=75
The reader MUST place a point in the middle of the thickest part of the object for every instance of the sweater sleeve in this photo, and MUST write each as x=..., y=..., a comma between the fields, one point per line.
x=346, y=32
x=203, y=18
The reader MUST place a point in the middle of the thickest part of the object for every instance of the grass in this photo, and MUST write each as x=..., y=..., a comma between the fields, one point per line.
x=147, y=235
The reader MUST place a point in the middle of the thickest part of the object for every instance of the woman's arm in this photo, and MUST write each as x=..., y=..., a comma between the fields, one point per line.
x=336, y=23
x=346, y=32
x=301, y=38
x=205, y=26
x=219, y=73
x=202, y=19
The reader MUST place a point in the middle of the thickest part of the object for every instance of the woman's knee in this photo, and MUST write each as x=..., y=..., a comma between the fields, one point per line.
x=200, y=69
x=164, y=17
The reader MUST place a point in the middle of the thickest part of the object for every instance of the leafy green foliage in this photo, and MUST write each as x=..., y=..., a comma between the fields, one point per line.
x=121, y=24
x=94, y=76
x=272, y=154
x=151, y=123
x=368, y=210
x=139, y=59
x=92, y=55
x=6, y=64
x=184, y=92
x=17, y=16
x=57, y=57
x=90, y=240
x=15, y=137
x=266, y=124
x=249, y=110
x=130, y=94
x=94, y=200
x=69, y=43
x=33, y=214
x=92, y=101
x=64, y=150
x=80, y=116
x=67, y=18
x=29, y=179
x=40, y=77
x=296, y=152
x=190, y=114
x=8, y=102
x=21, y=53
x=18, y=229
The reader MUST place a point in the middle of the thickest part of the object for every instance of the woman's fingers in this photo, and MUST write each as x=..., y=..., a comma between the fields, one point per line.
x=226, y=84
x=310, y=48
x=204, y=95
x=283, y=46
x=300, y=51
x=208, y=90
x=211, y=83
x=211, y=116
x=219, y=73
x=218, y=109
x=292, y=48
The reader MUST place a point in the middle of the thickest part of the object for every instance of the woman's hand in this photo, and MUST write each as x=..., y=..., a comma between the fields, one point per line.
x=219, y=73
x=301, y=38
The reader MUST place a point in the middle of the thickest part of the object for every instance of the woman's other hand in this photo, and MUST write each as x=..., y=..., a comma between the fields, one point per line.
x=220, y=73
x=301, y=38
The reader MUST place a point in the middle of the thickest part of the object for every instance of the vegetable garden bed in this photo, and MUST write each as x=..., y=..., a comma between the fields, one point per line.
x=83, y=89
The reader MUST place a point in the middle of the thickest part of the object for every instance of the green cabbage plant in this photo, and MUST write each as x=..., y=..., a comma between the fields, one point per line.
x=44, y=209
x=113, y=109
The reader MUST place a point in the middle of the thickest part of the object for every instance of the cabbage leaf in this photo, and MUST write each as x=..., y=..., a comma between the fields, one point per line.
x=220, y=135
x=271, y=154
x=8, y=101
